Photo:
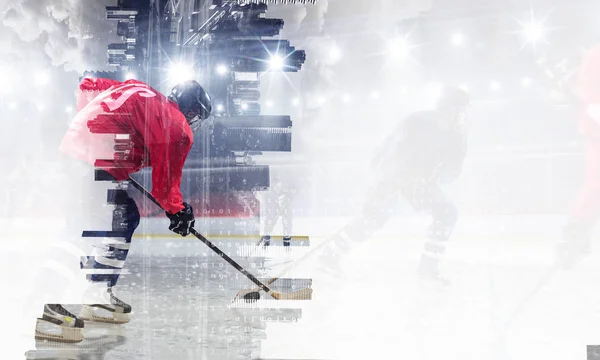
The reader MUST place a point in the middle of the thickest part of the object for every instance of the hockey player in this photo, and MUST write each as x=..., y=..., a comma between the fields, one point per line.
x=160, y=132
x=430, y=152
x=426, y=150
x=575, y=242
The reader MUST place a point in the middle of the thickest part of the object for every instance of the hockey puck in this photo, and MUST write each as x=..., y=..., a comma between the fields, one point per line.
x=252, y=296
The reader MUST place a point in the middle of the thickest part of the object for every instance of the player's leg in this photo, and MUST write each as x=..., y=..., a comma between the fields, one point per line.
x=271, y=217
x=110, y=261
x=59, y=279
x=444, y=215
x=375, y=214
x=575, y=241
x=286, y=214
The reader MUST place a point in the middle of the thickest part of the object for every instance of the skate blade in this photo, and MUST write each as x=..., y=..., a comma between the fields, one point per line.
x=67, y=335
x=88, y=314
x=50, y=355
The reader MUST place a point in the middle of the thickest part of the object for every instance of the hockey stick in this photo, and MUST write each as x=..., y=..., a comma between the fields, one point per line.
x=342, y=233
x=304, y=294
x=549, y=275
x=245, y=292
x=499, y=339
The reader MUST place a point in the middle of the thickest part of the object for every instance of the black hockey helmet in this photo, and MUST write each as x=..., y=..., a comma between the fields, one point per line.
x=192, y=99
x=454, y=98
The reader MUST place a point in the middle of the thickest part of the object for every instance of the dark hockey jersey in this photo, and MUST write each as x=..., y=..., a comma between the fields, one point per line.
x=421, y=148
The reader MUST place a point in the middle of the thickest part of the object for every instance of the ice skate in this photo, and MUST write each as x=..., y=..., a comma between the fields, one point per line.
x=72, y=354
x=574, y=245
x=58, y=325
x=109, y=310
x=430, y=274
x=434, y=279
x=264, y=241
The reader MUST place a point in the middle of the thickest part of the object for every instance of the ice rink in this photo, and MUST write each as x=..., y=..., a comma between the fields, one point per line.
x=336, y=116
x=498, y=305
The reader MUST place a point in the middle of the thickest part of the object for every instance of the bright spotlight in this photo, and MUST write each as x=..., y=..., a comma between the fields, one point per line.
x=269, y=103
x=180, y=73
x=69, y=109
x=244, y=106
x=12, y=105
x=220, y=107
x=346, y=98
x=41, y=107
x=130, y=75
x=42, y=78
x=321, y=100
x=296, y=102
x=457, y=39
x=533, y=31
x=222, y=69
x=526, y=82
x=375, y=95
x=276, y=62
x=399, y=48
x=335, y=53
x=495, y=86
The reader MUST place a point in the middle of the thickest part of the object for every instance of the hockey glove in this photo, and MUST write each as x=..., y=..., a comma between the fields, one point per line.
x=183, y=221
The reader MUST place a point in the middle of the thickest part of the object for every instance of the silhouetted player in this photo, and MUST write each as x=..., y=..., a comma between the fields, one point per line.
x=426, y=150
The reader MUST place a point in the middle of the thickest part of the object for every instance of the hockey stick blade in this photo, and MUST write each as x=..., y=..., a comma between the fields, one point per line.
x=304, y=294
x=261, y=285
x=544, y=280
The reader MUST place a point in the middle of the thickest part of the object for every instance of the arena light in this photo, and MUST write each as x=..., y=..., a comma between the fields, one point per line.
x=276, y=62
x=68, y=109
x=270, y=103
x=457, y=39
x=399, y=48
x=533, y=31
x=220, y=107
x=244, y=106
x=222, y=69
x=42, y=78
x=12, y=105
x=346, y=98
x=130, y=75
x=180, y=72
x=296, y=102
x=335, y=54
x=526, y=82
x=374, y=95
x=495, y=86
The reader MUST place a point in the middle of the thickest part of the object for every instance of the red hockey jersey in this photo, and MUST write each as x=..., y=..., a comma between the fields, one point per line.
x=588, y=89
x=159, y=133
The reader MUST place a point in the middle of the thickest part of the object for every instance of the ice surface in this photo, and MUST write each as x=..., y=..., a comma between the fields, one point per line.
x=182, y=304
